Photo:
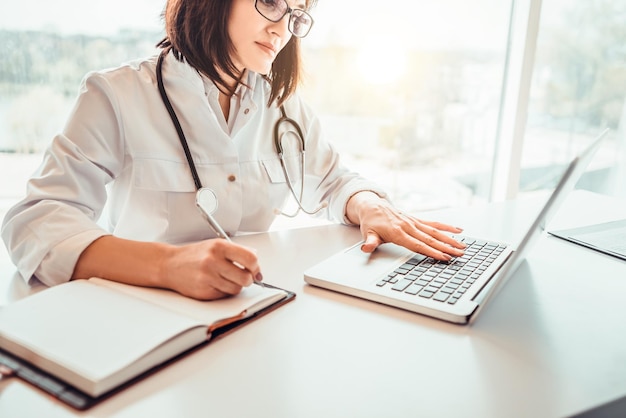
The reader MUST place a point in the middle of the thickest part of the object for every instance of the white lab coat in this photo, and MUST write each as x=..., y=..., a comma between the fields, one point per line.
x=120, y=147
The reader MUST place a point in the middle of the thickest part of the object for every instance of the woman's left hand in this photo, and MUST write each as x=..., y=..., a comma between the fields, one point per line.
x=380, y=222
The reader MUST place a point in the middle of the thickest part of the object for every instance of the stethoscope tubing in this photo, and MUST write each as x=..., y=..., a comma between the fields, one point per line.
x=284, y=119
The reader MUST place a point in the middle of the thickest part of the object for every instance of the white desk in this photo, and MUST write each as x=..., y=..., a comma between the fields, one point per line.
x=551, y=344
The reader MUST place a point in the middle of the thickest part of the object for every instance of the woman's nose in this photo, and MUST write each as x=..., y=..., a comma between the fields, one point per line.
x=281, y=27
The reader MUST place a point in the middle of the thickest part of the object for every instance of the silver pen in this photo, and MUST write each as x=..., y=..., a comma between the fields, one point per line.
x=206, y=201
x=216, y=227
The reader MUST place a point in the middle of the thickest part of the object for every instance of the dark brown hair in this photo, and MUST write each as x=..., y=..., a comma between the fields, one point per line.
x=196, y=31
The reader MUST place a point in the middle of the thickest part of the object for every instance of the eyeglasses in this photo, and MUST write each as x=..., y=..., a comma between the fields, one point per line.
x=300, y=22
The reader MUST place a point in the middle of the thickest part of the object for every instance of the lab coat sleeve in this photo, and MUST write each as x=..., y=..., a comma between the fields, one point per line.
x=46, y=232
x=327, y=179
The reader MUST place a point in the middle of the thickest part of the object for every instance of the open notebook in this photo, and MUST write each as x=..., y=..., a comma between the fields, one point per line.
x=85, y=340
x=454, y=291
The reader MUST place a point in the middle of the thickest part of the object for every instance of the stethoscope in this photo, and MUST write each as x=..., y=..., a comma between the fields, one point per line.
x=206, y=199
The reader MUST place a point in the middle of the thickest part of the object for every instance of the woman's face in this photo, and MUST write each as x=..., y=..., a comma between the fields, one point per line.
x=257, y=40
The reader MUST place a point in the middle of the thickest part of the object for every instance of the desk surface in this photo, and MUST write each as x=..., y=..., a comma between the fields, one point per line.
x=550, y=345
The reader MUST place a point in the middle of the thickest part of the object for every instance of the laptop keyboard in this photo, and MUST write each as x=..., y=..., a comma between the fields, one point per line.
x=444, y=281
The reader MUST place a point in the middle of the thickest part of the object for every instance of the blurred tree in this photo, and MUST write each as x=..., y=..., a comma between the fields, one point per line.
x=582, y=65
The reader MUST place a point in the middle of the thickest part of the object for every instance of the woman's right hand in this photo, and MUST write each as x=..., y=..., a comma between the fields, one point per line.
x=205, y=270
x=210, y=269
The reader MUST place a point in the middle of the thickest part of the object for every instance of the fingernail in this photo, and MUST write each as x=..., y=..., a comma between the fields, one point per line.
x=258, y=277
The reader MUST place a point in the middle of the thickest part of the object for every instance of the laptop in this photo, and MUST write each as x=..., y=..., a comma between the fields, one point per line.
x=454, y=291
x=607, y=237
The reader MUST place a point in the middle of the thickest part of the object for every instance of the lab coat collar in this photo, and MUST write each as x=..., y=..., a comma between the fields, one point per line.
x=189, y=73
x=186, y=85
x=181, y=70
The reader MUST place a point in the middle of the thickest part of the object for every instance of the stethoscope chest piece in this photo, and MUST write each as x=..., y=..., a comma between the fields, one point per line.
x=206, y=200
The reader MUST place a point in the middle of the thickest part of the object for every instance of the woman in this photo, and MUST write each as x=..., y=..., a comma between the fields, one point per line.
x=227, y=67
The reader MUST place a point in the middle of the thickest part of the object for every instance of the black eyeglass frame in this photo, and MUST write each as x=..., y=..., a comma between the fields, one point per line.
x=289, y=11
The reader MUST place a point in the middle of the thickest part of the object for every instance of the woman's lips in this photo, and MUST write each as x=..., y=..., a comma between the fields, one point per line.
x=268, y=47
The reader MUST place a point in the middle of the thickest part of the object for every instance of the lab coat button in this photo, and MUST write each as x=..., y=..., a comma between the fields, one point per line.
x=232, y=178
x=245, y=112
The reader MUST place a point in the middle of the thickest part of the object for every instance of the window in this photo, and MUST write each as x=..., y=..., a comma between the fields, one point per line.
x=47, y=51
x=412, y=93
x=578, y=89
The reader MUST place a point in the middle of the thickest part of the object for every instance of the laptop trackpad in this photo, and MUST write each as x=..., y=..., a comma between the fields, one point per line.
x=384, y=252
x=370, y=266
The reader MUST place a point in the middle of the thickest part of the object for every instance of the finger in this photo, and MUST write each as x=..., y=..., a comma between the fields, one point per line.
x=444, y=245
x=255, y=271
x=232, y=278
x=431, y=242
x=202, y=291
x=243, y=267
x=436, y=230
x=441, y=226
x=209, y=293
x=413, y=239
x=440, y=238
x=421, y=247
x=372, y=241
